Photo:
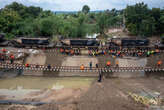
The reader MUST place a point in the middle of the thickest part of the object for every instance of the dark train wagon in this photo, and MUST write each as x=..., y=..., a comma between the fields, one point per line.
x=134, y=42
x=32, y=42
x=3, y=41
x=80, y=42
x=129, y=42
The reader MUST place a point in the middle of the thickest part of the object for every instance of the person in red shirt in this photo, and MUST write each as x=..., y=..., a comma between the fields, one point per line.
x=4, y=50
x=12, y=58
x=26, y=65
x=61, y=50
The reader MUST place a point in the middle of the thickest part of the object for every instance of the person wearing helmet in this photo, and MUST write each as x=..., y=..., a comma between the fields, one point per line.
x=12, y=59
x=108, y=64
x=82, y=67
x=159, y=63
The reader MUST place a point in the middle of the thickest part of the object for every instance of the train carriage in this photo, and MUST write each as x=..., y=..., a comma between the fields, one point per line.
x=32, y=42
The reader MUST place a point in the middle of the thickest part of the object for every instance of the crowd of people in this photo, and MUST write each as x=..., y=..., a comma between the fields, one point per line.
x=4, y=56
x=116, y=53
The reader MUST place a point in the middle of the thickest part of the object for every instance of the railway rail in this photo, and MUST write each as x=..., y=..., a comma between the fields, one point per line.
x=77, y=69
x=129, y=50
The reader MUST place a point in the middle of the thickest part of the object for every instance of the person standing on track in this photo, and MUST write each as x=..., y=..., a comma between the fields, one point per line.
x=49, y=66
x=90, y=65
x=108, y=64
x=117, y=63
x=26, y=65
x=159, y=63
x=97, y=66
x=100, y=77
x=12, y=58
x=82, y=67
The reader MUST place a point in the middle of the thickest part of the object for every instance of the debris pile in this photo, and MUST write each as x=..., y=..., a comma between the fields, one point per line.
x=145, y=98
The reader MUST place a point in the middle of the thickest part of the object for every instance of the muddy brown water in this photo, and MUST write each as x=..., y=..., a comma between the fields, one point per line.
x=17, y=87
x=29, y=82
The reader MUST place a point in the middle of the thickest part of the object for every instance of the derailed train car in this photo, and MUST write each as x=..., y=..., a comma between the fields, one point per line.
x=128, y=42
x=80, y=42
x=32, y=42
x=3, y=41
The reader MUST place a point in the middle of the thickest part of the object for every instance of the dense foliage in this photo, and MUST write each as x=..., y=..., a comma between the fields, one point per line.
x=140, y=20
x=19, y=20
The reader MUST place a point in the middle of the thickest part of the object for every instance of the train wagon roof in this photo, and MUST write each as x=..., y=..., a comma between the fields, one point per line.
x=32, y=38
x=130, y=38
x=81, y=39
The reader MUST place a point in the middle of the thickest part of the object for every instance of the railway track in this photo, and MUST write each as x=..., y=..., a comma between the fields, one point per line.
x=77, y=69
x=100, y=50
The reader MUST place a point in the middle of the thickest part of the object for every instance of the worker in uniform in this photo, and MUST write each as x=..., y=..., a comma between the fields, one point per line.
x=148, y=53
x=49, y=66
x=26, y=65
x=104, y=52
x=4, y=50
x=89, y=52
x=82, y=67
x=79, y=51
x=139, y=54
x=0, y=57
x=4, y=54
x=117, y=63
x=36, y=66
x=97, y=65
x=108, y=64
x=100, y=77
x=93, y=53
x=72, y=52
x=152, y=52
x=97, y=52
x=156, y=51
x=12, y=58
x=67, y=51
x=118, y=53
x=159, y=63
x=62, y=50
x=90, y=65
x=111, y=51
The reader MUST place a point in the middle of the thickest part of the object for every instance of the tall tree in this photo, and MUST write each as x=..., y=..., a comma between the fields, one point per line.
x=136, y=16
x=85, y=9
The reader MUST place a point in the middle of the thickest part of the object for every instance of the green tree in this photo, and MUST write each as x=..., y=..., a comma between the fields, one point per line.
x=102, y=23
x=85, y=9
x=135, y=15
x=8, y=20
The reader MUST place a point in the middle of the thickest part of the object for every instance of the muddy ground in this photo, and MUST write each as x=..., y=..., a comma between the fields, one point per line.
x=111, y=94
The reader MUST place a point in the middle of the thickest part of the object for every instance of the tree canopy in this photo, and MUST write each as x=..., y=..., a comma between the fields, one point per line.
x=19, y=20
x=85, y=9
x=140, y=20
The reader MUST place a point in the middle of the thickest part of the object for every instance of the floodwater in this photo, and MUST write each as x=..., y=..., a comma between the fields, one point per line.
x=29, y=82
x=17, y=88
